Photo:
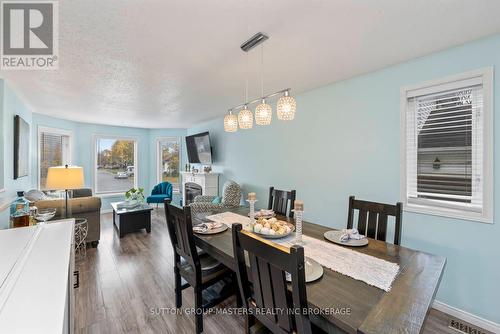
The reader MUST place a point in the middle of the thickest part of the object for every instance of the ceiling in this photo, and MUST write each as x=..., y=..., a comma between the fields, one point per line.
x=168, y=64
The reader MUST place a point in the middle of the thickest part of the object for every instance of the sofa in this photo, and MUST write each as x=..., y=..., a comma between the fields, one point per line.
x=81, y=205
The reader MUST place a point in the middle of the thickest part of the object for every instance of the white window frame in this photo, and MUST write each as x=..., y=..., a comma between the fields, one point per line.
x=95, y=138
x=426, y=206
x=56, y=131
x=159, y=177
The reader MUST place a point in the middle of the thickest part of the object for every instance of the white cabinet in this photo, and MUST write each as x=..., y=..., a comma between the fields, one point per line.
x=36, y=279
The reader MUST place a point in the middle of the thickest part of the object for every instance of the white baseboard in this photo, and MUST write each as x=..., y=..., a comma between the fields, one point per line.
x=467, y=317
x=106, y=211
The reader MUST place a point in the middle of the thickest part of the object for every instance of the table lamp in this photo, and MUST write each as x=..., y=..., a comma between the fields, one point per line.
x=65, y=178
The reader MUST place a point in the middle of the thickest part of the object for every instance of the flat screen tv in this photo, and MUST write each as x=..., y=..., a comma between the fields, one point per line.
x=199, y=149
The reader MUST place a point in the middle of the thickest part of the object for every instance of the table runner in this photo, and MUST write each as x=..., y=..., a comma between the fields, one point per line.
x=229, y=218
x=366, y=268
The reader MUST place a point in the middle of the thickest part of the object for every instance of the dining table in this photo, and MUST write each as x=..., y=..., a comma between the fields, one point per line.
x=346, y=305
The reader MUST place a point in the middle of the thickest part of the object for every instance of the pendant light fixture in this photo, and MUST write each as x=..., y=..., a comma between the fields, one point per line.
x=286, y=107
x=230, y=122
x=263, y=112
x=245, y=118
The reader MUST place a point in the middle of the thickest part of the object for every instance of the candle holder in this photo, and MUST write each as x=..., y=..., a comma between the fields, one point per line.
x=251, y=202
x=252, y=207
x=298, y=214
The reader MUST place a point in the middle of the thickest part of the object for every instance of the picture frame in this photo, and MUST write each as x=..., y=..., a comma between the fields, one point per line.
x=21, y=147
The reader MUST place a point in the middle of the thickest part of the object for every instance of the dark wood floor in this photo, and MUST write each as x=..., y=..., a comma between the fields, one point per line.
x=125, y=282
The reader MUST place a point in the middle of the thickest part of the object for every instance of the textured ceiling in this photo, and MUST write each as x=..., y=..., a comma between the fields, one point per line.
x=165, y=63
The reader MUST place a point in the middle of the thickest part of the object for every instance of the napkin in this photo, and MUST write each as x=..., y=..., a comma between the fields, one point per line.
x=351, y=233
x=204, y=227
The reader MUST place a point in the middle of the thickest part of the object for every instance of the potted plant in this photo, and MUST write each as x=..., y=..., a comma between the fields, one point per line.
x=134, y=196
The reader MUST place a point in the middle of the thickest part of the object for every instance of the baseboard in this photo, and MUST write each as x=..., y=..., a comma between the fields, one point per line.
x=106, y=211
x=467, y=317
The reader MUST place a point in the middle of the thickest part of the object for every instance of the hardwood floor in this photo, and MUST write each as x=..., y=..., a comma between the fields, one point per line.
x=125, y=282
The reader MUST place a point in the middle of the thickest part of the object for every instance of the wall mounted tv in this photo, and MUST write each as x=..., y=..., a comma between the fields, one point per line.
x=199, y=149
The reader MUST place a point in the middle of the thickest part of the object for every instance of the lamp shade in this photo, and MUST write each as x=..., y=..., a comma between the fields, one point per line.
x=65, y=177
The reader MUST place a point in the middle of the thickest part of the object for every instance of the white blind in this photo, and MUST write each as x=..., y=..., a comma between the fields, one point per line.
x=444, y=127
x=54, y=151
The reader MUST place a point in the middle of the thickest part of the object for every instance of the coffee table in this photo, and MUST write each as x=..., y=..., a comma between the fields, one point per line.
x=128, y=220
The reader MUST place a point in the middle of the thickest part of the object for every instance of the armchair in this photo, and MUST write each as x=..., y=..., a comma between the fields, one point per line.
x=231, y=196
x=161, y=192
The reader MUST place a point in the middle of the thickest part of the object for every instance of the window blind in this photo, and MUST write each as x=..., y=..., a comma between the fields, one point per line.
x=444, y=127
x=54, y=151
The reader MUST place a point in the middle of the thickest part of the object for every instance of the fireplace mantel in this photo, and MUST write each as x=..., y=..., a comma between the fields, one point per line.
x=209, y=183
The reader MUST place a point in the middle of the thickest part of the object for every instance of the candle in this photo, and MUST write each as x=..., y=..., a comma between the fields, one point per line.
x=251, y=196
x=299, y=205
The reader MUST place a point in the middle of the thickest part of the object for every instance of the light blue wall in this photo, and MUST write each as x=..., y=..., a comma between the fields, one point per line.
x=12, y=105
x=345, y=140
x=83, y=153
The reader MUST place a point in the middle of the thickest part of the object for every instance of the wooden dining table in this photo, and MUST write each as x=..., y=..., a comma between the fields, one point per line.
x=346, y=305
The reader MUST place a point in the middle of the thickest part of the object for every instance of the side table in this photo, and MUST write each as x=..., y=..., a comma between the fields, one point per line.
x=81, y=230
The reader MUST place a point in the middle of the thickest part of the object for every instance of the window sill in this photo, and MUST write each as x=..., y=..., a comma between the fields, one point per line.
x=448, y=213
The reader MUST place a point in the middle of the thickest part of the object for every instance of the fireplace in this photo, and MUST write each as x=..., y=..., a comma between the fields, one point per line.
x=194, y=184
x=192, y=190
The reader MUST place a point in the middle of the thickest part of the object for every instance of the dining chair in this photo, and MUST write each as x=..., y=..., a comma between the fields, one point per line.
x=278, y=201
x=199, y=270
x=372, y=218
x=269, y=264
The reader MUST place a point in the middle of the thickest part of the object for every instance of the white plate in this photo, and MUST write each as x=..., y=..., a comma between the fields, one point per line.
x=313, y=271
x=334, y=236
x=214, y=230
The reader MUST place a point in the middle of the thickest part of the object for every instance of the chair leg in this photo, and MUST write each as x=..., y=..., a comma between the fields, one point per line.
x=199, y=310
x=178, y=288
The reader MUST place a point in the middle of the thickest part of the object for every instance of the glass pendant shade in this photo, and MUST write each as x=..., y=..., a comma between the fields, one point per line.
x=286, y=108
x=230, y=123
x=245, y=118
x=263, y=114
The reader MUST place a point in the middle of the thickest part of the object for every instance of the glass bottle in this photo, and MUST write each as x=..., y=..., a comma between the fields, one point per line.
x=20, y=211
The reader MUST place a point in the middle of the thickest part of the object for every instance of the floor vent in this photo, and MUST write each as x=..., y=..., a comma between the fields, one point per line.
x=463, y=327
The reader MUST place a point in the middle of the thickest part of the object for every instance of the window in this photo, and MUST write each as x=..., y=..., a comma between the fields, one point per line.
x=116, y=165
x=54, y=149
x=448, y=148
x=169, y=161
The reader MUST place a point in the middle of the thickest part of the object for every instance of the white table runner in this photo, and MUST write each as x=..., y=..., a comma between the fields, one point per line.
x=369, y=269
x=229, y=218
x=366, y=268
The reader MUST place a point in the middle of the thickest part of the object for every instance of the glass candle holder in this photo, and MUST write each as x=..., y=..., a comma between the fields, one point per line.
x=251, y=203
x=298, y=214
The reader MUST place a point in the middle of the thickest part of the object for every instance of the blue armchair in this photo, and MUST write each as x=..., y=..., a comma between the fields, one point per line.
x=160, y=193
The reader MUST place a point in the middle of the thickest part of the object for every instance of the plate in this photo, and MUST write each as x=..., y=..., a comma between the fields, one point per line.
x=313, y=271
x=276, y=236
x=334, y=236
x=214, y=230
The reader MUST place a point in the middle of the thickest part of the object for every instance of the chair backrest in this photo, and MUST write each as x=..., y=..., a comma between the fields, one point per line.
x=180, y=229
x=278, y=201
x=268, y=266
x=231, y=194
x=163, y=188
x=372, y=218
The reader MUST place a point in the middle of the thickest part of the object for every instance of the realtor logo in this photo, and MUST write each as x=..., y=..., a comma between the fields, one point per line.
x=29, y=35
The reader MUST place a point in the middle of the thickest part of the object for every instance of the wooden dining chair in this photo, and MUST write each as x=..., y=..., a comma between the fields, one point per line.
x=372, y=218
x=278, y=201
x=199, y=270
x=269, y=264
